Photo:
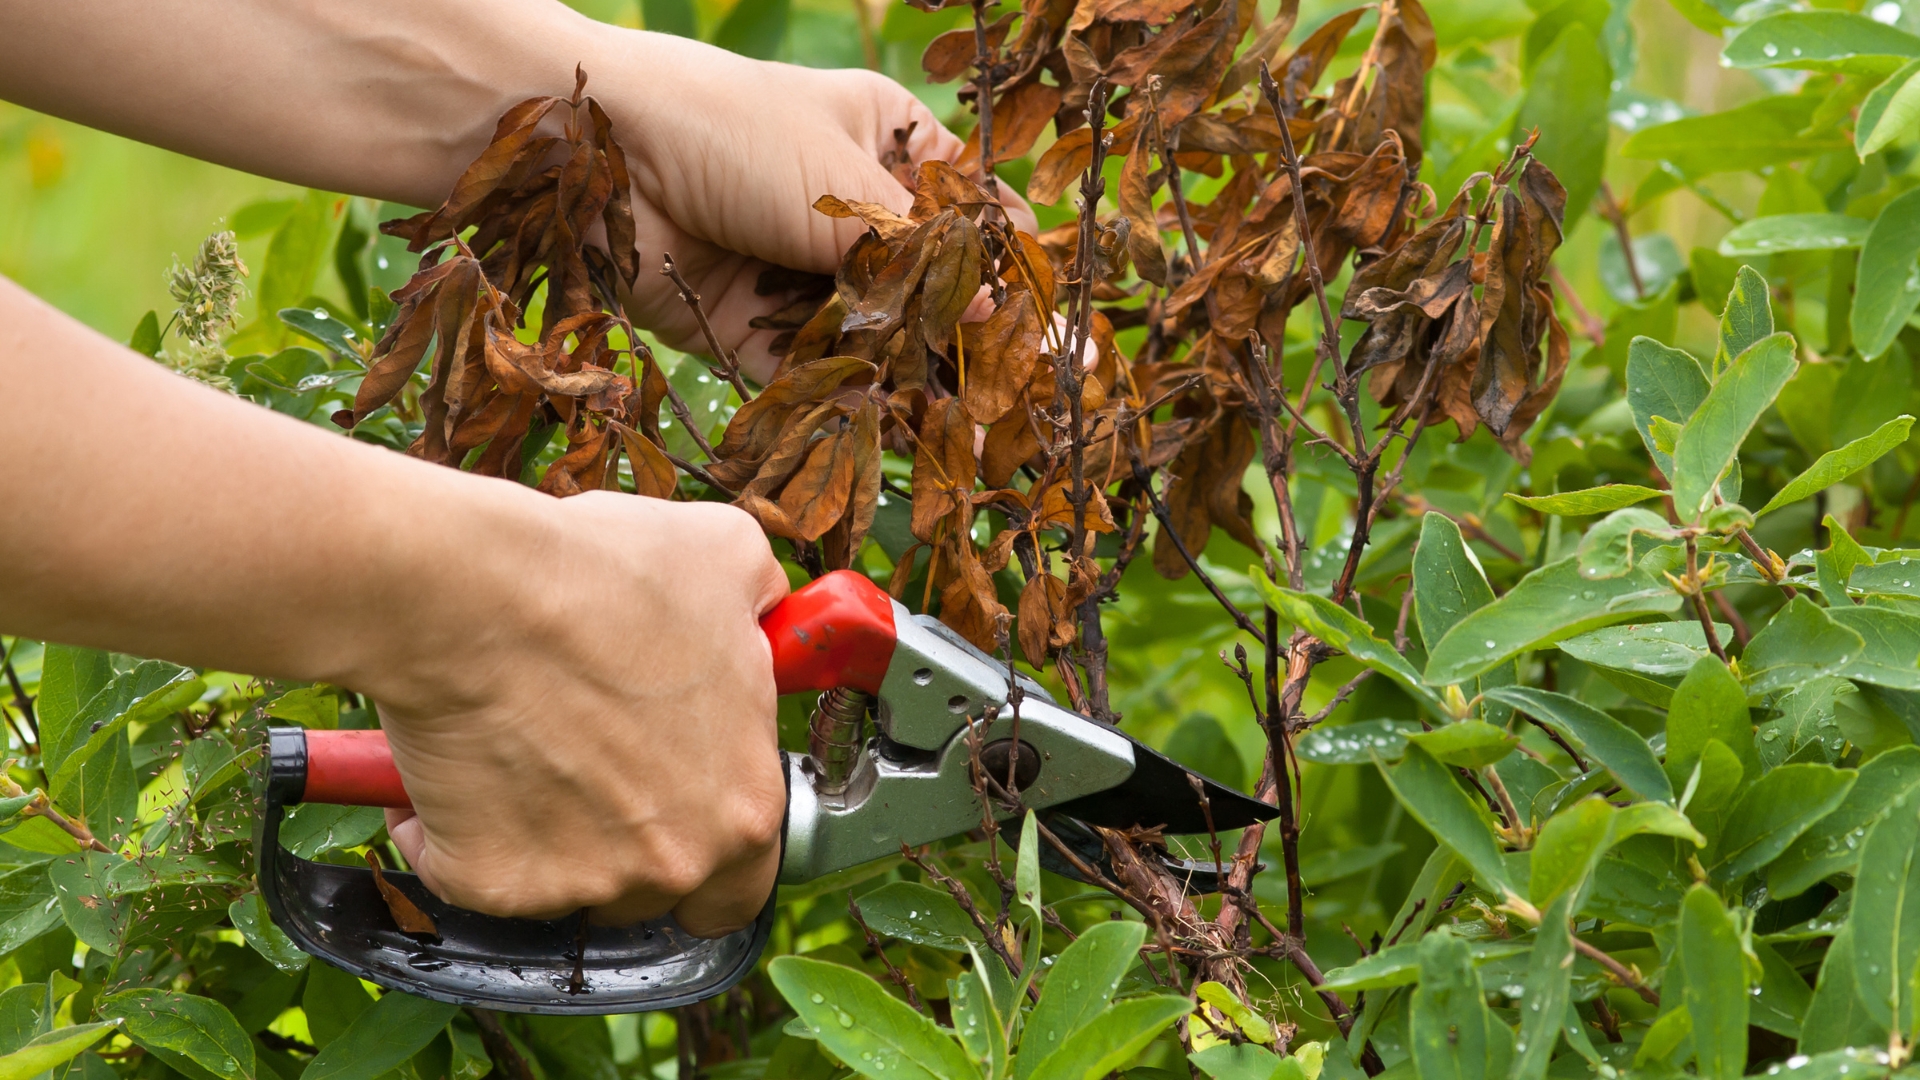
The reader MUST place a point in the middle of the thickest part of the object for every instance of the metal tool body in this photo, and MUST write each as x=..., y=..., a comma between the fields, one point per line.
x=934, y=700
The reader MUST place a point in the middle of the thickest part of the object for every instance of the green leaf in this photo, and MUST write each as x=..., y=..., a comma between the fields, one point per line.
x=755, y=28
x=1450, y=1031
x=69, y=679
x=1615, y=746
x=1202, y=744
x=1572, y=842
x=1757, y=135
x=1794, y=232
x=1869, y=393
x=261, y=216
x=1806, y=726
x=978, y=1023
x=1746, y=320
x=152, y=690
x=1799, y=643
x=1831, y=845
x=1549, y=986
x=863, y=1025
x=333, y=999
x=1886, y=290
x=324, y=327
x=94, y=916
x=294, y=256
x=1079, y=986
x=1428, y=791
x=1783, y=996
x=1890, y=655
x=1816, y=41
x=1027, y=871
x=1886, y=914
x=27, y=906
x=1347, y=632
x=381, y=1039
x=1889, y=111
x=146, y=336
x=54, y=1048
x=1228, y=1061
x=1607, y=549
x=1709, y=704
x=1551, y=604
x=313, y=828
x=914, y=912
x=1448, y=582
x=1666, y=383
x=1666, y=648
x=1836, y=1017
x=670, y=17
x=1113, y=1039
x=193, y=1034
x=1836, y=465
x=1399, y=965
x=1715, y=994
x=1468, y=743
x=1250, y=1023
x=1356, y=743
x=1834, y=566
x=1566, y=103
x=1598, y=500
x=1774, y=811
x=250, y=917
x=1710, y=441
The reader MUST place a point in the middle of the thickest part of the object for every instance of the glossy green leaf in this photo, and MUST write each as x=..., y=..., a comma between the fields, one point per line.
x=1794, y=232
x=1347, y=632
x=1666, y=383
x=1889, y=111
x=1708, y=704
x=1660, y=648
x=295, y=254
x=1472, y=744
x=978, y=1023
x=1428, y=791
x=1836, y=465
x=1710, y=441
x=1609, y=548
x=27, y=906
x=1451, y=1033
x=1783, y=994
x=1549, y=986
x=56, y=1047
x=313, y=828
x=1078, y=988
x=193, y=1034
x=1249, y=1023
x=1800, y=643
x=151, y=690
x=1716, y=985
x=1757, y=135
x=1201, y=743
x=914, y=912
x=1571, y=844
x=1836, y=1017
x=1611, y=744
x=1356, y=743
x=1773, y=812
x=146, y=335
x=1890, y=651
x=1816, y=41
x=870, y=1029
x=1112, y=1039
x=1448, y=581
x=1597, y=500
x=1886, y=914
x=1831, y=845
x=1228, y=1061
x=69, y=679
x=381, y=1038
x=1746, y=319
x=1399, y=965
x=1886, y=290
x=250, y=917
x=80, y=882
x=1553, y=603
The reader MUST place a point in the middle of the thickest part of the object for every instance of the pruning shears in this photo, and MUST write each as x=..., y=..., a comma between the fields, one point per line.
x=908, y=708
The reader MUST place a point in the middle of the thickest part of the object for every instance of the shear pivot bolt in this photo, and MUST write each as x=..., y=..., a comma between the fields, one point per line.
x=1026, y=769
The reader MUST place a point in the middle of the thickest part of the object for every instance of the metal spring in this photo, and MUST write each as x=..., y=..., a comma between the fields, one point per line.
x=835, y=736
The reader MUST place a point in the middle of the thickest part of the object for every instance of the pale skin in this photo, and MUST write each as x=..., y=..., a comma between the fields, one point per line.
x=577, y=691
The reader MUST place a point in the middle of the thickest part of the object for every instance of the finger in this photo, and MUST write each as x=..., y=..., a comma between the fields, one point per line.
x=410, y=836
x=732, y=898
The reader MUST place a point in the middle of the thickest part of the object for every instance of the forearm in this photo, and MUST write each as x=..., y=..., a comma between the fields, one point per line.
x=145, y=513
x=388, y=98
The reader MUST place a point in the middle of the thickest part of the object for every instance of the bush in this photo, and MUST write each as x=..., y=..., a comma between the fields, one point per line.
x=1576, y=773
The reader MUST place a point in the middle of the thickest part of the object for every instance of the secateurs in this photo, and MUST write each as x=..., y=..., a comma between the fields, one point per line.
x=907, y=706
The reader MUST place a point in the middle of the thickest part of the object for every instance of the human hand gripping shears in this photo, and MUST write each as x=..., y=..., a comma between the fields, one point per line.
x=890, y=762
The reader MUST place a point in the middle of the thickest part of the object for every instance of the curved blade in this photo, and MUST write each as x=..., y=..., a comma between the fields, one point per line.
x=1158, y=794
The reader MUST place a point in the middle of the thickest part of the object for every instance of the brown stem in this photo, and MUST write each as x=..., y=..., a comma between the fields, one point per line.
x=1698, y=596
x=724, y=359
x=1579, y=762
x=873, y=942
x=1168, y=530
x=1610, y=209
x=1590, y=324
x=499, y=1045
x=1741, y=634
x=983, y=86
x=1619, y=971
x=869, y=43
x=1764, y=559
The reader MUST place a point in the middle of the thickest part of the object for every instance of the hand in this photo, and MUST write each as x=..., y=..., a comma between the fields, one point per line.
x=614, y=746
x=728, y=156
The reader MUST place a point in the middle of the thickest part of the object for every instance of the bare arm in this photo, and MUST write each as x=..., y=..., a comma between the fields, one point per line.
x=392, y=98
x=561, y=679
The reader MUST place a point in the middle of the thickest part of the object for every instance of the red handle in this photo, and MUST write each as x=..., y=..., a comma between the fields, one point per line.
x=837, y=631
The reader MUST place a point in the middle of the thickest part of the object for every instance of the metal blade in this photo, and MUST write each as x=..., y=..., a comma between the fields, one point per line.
x=1198, y=876
x=1158, y=793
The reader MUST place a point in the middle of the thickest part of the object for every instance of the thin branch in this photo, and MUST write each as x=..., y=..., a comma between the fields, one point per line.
x=1621, y=973
x=873, y=942
x=727, y=362
x=983, y=89
x=1697, y=594
x=1168, y=530
x=499, y=1045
